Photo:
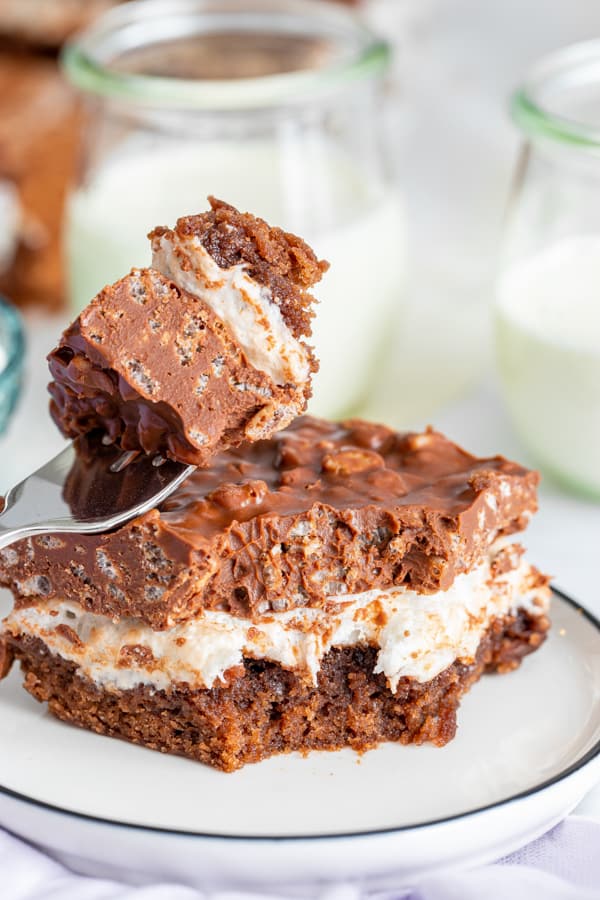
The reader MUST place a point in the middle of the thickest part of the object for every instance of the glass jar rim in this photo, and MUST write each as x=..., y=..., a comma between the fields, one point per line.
x=572, y=65
x=86, y=57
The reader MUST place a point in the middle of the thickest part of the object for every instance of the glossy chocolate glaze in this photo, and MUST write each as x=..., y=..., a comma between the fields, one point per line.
x=319, y=509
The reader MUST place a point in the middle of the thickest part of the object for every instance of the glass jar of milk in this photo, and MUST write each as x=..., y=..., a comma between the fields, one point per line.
x=275, y=106
x=547, y=313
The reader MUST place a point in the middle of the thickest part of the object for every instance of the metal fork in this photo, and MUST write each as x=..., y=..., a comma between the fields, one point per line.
x=72, y=493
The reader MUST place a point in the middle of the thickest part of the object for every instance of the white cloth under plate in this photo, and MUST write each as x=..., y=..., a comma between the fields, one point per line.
x=562, y=865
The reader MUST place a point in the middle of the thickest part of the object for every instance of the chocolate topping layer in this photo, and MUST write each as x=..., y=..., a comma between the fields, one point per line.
x=153, y=368
x=277, y=259
x=319, y=509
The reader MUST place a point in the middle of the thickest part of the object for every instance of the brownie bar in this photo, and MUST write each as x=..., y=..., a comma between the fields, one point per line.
x=265, y=709
x=319, y=509
x=197, y=357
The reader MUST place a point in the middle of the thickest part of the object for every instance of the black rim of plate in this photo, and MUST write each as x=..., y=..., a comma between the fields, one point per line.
x=570, y=770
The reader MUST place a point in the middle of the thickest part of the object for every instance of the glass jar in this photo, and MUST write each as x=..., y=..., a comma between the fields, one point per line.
x=275, y=106
x=547, y=311
x=12, y=352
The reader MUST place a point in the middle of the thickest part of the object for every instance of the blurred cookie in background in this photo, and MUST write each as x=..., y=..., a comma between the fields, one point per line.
x=47, y=23
x=39, y=139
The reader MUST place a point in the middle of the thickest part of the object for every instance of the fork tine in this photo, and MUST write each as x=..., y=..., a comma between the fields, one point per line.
x=71, y=493
x=123, y=461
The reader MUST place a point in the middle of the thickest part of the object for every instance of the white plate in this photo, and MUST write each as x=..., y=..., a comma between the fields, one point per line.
x=527, y=750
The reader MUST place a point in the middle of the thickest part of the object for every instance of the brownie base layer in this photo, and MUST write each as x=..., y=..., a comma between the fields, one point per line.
x=265, y=709
x=280, y=261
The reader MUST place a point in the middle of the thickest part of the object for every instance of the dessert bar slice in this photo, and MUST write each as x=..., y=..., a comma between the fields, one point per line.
x=364, y=668
x=201, y=352
x=337, y=585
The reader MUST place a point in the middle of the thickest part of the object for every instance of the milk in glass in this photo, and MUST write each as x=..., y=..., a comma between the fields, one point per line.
x=548, y=350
